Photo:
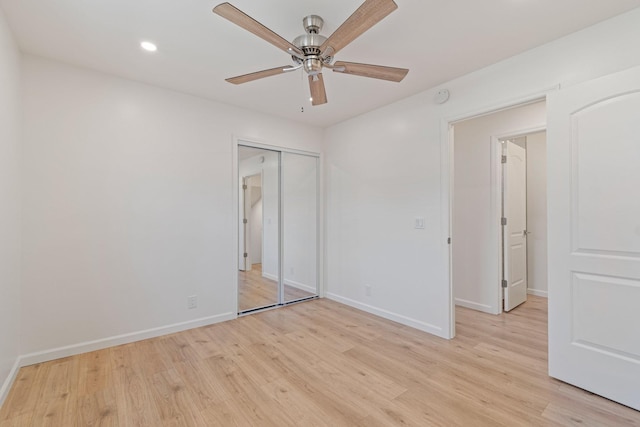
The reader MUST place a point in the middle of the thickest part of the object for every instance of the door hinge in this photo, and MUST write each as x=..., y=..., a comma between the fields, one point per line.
x=504, y=283
x=449, y=240
x=245, y=255
x=504, y=159
x=244, y=186
x=244, y=221
x=503, y=221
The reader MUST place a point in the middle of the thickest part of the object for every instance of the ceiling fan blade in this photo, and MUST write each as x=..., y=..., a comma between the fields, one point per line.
x=374, y=71
x=318, y=94
x=238, y=17
x=258, y=75
x=366, y=16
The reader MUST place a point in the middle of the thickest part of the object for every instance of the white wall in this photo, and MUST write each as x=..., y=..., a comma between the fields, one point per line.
x=537, y=213
x=475, y=229
x=128, y=204
x=386, y=167
x=10, y=240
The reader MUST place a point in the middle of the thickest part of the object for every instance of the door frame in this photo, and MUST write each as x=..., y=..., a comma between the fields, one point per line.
x=235, y=182
x=446, y=179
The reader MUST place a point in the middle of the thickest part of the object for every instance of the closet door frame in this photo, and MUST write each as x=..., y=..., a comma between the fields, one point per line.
x=247, y=142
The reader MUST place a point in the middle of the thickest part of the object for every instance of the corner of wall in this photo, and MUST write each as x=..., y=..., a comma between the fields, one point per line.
x=10, y=207
x=8, y=383
x=389, y=315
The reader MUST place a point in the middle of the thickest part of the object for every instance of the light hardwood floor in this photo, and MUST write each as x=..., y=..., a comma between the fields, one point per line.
x=316, y=363
x=255, y=291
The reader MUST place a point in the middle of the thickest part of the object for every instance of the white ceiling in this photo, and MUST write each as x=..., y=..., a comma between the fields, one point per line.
x=436, y=39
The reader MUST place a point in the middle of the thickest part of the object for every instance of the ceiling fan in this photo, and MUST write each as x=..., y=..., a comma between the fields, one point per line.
x=313, y=52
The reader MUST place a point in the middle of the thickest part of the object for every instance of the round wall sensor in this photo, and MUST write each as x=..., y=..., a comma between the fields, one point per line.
x=442, y=96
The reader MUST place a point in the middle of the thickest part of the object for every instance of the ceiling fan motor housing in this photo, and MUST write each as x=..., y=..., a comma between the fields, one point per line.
x=310, y=43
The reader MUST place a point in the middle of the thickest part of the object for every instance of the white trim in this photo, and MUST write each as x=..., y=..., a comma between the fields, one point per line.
x=518, y=133
x=85, y=347
x=446, y=203
x=301, y=286
x=538, y=293
x=520, y=101
x=320, y=288
x=495, y=163
x=235, y=197
x=280, y=228
x=250, y=142
x=291, y=283
x=404, y=320
x=475, y=306
x=6, y=386
x=270, y=276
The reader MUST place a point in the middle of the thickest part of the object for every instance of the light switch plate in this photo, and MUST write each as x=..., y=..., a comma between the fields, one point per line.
x=419, y=222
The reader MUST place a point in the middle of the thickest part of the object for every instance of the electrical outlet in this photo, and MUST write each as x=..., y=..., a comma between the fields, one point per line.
x=367, y=290
x=192, y=301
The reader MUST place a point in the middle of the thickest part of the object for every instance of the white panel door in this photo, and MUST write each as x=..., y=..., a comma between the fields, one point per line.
x=515, y=231
x=594, y=236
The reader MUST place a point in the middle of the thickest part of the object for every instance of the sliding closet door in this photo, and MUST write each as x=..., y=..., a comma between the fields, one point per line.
x=300, y=192
x=258, y=228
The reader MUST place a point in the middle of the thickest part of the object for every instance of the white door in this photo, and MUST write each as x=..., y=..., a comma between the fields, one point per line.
x=594, y=236
x=515, y=230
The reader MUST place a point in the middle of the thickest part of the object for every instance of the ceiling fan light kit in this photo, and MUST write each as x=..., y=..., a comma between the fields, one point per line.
x=313, y=51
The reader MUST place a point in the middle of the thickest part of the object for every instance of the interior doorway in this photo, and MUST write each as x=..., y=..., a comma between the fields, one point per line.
x=487, y=228
x=278, y=231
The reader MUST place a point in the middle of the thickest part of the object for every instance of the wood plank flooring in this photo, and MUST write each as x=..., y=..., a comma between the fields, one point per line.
x=255, y=291
x=317, y=363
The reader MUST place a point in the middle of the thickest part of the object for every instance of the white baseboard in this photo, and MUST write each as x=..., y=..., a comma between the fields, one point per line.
x=538, y=293
x=301, y=286
x=6, y=386
x=475, y=306
x=270, y=276
x=85, y=347
x=418, y=324
x=291, y=283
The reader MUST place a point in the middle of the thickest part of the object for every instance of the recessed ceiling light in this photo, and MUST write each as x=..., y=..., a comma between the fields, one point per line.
x=148, y=46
